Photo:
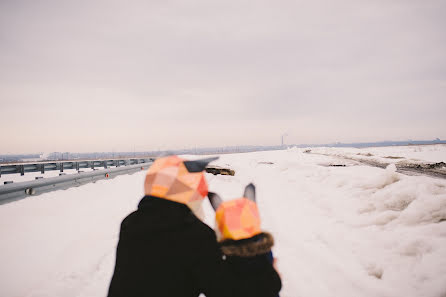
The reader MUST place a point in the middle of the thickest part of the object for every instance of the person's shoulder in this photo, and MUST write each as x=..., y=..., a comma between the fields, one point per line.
x=128, y=219
x=202, y=230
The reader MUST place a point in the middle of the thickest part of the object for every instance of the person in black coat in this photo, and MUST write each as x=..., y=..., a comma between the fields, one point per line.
x=244, y=246
x=164, y=249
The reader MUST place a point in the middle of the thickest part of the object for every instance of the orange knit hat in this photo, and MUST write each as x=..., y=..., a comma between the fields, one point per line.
x=178, y=180
x=236, y=219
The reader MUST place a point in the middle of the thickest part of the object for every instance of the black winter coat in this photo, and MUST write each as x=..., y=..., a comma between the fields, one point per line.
x=164, y=250
x=250, y=264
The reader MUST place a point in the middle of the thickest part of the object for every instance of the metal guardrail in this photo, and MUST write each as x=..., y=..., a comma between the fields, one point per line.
x=15, y=191
x=22, y=168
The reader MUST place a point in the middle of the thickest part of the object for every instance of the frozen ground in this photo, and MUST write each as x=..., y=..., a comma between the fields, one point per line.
x=340, y=231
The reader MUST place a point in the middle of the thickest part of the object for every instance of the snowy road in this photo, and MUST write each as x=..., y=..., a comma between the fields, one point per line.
x=406, y=159
x=340, y=231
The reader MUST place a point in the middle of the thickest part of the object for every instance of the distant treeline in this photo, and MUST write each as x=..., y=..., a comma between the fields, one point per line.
x=14, y=158
x=58, y=156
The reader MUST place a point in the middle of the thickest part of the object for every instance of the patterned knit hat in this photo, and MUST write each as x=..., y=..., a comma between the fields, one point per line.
x=178, y=180
x=236, y=219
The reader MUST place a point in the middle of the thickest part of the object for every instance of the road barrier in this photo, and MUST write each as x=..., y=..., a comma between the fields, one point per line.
x=14, y=191
x=11, y=191
x=42, y=167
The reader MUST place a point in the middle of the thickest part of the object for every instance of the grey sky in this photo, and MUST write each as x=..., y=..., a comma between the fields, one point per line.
x=118, y=75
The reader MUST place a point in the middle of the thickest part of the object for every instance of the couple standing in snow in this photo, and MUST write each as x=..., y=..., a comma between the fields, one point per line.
x=164, y=248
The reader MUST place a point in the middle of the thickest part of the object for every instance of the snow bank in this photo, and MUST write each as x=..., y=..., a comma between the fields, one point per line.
x=392, y=154
x=62, y=243
x=350, y=231
x=347, y=231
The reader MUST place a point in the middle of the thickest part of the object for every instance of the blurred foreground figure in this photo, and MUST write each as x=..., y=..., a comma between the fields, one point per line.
x=164, y=248
x=245, y=246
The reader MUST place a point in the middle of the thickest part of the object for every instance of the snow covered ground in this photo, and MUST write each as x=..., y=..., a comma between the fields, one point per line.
x=391, y=154
x=340, y=231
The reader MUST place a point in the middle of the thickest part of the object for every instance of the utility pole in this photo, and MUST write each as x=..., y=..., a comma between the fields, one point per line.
x=283, y=138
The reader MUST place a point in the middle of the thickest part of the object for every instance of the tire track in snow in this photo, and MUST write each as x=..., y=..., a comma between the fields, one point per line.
x=427, y=169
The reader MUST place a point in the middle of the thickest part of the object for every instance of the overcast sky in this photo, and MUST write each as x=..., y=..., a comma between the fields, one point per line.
x=124, y=75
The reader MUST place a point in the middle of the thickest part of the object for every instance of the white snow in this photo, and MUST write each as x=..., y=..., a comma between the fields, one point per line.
x=339, y=231
x=391, y=154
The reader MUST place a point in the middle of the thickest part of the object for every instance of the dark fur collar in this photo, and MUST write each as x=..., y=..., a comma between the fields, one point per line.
x=254, y=246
